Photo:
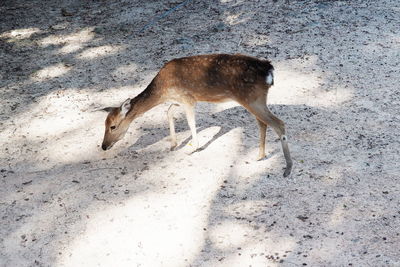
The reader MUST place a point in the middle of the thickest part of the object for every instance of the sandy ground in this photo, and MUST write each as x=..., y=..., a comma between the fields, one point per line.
x=65, y=202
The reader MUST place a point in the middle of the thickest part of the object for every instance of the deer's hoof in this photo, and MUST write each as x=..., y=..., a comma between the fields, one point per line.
x=260, y=157
x=286, y=173
x=190, y=149
x=173, y=146
x=288, y=170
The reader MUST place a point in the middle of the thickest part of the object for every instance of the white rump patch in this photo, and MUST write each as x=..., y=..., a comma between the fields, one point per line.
x=270, y=78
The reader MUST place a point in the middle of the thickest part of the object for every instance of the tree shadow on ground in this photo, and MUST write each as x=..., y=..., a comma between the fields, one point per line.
x=304, y=219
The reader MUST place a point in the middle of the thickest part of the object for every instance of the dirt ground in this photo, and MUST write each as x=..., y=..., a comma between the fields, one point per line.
x=65, y=202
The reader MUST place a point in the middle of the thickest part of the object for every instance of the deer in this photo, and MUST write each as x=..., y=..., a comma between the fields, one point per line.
x=210, y=78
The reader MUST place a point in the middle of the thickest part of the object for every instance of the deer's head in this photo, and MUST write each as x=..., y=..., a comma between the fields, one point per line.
x=116, y=124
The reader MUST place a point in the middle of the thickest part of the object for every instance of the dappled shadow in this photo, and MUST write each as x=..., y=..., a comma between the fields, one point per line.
x=255, y=220
x=339, y=103
x=72, y=192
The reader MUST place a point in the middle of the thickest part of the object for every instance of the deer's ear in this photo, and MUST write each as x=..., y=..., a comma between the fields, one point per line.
x=107, y=109
x=125, y=107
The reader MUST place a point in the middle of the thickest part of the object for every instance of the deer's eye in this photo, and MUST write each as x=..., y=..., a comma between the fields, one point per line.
x=113, y=127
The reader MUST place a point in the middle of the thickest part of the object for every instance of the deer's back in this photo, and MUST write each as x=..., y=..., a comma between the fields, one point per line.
x=214, y=78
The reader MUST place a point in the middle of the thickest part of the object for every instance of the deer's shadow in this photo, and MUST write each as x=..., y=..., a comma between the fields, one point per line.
x=155, y=133
x=235, y=116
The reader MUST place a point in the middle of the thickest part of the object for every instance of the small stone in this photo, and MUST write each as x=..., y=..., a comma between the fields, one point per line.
x=66, y=13
x=302, y=218
x=219, y=27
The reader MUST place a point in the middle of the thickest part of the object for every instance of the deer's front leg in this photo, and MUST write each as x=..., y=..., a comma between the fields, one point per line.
x=170, y=113
x=190, y=116
x=263, y=129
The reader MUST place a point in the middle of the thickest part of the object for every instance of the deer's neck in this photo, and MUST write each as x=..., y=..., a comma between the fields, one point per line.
x=145, y=101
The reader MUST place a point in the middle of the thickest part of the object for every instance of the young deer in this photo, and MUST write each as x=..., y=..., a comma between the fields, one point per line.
x=211, y=78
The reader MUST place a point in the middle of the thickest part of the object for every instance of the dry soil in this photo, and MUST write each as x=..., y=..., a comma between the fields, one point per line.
x=65, y=202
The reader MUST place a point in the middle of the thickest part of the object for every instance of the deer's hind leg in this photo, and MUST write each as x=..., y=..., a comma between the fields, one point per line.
x=262, y=113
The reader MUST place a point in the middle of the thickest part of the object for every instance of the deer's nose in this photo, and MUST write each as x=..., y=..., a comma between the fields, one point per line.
x=104, y=147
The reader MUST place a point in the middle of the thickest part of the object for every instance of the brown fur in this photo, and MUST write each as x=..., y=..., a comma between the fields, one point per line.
x=214, y=78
